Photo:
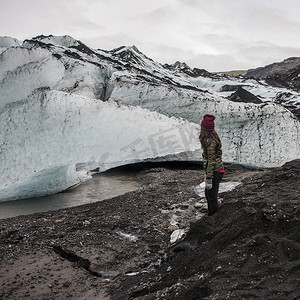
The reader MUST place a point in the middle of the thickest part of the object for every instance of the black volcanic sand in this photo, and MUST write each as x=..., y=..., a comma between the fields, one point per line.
x=250, y=249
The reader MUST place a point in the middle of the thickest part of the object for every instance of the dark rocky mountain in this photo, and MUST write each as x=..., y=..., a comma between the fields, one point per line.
x=280, y=74
x=241, y=95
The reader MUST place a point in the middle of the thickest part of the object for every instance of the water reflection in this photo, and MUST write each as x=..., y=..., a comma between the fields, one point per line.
x=102, y=186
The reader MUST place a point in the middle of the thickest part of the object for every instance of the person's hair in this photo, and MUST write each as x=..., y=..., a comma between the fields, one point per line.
x=206, y=137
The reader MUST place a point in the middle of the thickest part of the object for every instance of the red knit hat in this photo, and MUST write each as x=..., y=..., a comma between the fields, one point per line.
x=208, y=122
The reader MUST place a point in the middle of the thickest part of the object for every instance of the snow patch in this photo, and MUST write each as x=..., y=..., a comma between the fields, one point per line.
x=176, y=235
x=223, y=187
x=130, y=237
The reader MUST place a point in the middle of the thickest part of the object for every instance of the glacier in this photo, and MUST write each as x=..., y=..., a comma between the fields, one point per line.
x=7, y=41
x=53, y=139
x=67, y=109
x=263, y=135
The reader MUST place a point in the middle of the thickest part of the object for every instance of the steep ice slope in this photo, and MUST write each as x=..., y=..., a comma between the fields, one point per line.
x=130, y=63
x=23, y=70
x=264, y=134
x=34, y=115
x=261, y=135
x=50, y=133
x=182, y=75
x=7, y=41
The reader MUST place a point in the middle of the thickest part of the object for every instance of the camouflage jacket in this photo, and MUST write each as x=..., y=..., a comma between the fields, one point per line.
x=212, y=159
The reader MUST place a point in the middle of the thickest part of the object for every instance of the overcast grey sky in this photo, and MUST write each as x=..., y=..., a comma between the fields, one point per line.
x=216, y=35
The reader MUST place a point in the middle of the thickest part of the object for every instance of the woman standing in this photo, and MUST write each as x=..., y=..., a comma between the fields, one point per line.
x=212, y=161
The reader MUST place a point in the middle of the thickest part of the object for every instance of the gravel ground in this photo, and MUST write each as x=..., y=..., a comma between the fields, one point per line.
x=121, y=248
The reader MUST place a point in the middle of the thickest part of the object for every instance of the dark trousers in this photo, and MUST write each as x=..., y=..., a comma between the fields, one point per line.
x=212, y=194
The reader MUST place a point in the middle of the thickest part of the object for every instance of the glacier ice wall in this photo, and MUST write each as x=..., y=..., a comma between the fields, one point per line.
x=25, y=70
x=45, y=136
x=259, y=135
x=66, y=109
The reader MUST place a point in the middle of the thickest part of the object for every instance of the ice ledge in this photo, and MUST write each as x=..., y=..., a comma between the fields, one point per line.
x=51, y=132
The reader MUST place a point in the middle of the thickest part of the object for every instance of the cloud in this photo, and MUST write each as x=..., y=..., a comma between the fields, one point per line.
x=261, y=54
x=168, y=54
x=247, y=57
x=215, y=35
x=214, y=63
x=109, y=42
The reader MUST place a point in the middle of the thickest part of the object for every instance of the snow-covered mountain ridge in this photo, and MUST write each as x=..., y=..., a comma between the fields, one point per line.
x=67, y=108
